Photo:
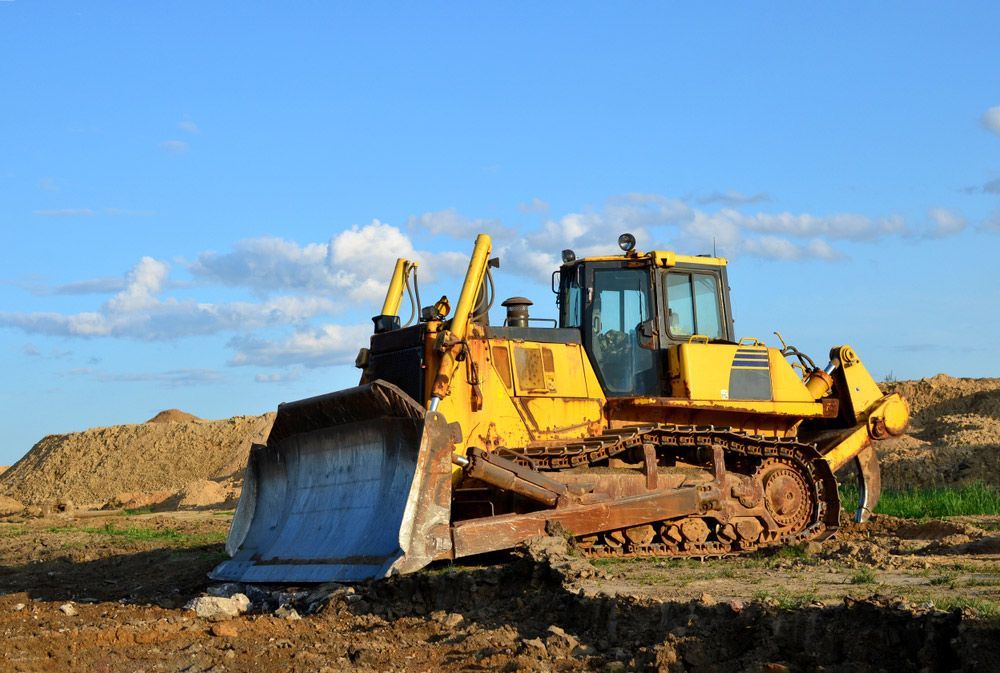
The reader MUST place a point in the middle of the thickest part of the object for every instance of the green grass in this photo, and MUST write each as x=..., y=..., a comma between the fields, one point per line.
x=139, y=510
x=12, y=531
x=945, y=578
x=146, y=534
x=988, y=609
x=971, y=500
x=786, y=600
x=863, y=576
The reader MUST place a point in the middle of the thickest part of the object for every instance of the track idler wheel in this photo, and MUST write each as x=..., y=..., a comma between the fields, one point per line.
x=787, y=496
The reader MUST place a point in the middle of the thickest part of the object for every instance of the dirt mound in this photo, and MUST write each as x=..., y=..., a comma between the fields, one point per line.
x=10, y=506
x=173, y=416
x=200, y=494
x=954, y=434
x=98, y=465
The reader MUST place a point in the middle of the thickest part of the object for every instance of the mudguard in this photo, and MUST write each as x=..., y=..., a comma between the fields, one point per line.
x=353, y=485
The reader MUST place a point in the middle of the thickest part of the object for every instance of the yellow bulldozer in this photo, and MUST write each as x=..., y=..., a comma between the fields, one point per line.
x=638, y=423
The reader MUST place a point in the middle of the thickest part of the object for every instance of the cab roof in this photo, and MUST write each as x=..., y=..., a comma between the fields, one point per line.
x=659, y=258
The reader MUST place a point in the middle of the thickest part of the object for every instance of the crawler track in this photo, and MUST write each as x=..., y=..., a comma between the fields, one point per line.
x=778, y=491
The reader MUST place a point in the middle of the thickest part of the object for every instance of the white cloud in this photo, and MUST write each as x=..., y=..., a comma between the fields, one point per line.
x=355, y=264
x=286, y=376
x=188, y=126
x=48, y=185
x=267, y=264
x=734, y=198
x=535, y=205
x=104, y=285
x=449, y=222
x=318, y=347
x=142, y=285
x=945, y=222
x=175, y=146
x=992, y=223
x=138, y=312
x=173, y=378
x=125, y=212
x=991, y=119
x=64, y=212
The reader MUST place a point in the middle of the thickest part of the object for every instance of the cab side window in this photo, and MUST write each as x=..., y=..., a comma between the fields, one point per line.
x=693, y=305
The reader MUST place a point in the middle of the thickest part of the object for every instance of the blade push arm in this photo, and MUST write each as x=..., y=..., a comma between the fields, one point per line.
x=389, y=318
x=450, y=341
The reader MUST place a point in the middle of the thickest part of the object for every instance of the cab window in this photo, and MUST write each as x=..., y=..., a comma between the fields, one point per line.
x=621, y=303
x=571, y=299
x=693, y=305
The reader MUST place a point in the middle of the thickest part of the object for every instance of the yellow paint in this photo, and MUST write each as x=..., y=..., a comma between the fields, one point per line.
x=659, y=258
x=892, y=410
x=861, y=387
x=895, y=414
x=763, y=407
x=786, y=384
x=450, y=342
x=849, y=447
x=702, y=374
x=394, y=294
x=513, y=392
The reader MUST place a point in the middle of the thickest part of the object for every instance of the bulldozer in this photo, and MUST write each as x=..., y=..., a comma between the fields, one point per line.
x=637, y=423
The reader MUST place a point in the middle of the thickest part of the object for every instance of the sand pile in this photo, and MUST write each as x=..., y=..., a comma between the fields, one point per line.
x=97, y=465
x=173, y=416
x=954, y=434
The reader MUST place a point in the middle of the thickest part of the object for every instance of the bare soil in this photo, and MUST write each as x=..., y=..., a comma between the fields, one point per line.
x=105, y=590
x=96, y=466
x=173, y=416
x=106, y=593
x=954, y=434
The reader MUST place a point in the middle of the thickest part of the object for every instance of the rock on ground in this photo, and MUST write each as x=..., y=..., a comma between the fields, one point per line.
x=217, y=608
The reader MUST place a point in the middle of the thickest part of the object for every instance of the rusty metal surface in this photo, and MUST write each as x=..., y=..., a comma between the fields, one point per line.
x=501, y=532
x=774, y=492
x=350, y=486
x=509, y=476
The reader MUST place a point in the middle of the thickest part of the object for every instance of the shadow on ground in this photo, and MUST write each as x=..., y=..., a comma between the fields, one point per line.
x=167, y=577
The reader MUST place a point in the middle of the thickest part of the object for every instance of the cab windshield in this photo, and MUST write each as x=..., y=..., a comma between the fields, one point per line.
x=621, y=302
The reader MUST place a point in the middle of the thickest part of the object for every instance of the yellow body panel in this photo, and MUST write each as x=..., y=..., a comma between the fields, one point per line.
x=661, y=258
x=863, y=390
x=531, y=392
x=514, y=392
x=739, y=377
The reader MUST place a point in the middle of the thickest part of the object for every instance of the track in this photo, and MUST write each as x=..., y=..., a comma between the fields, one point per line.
x=778, y=491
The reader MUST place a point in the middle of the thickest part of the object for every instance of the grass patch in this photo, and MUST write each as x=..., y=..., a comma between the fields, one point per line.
x=945, y=578
x=12, y=531
x=863, y=576
x=985, y=608
x=975, y=499
x=139, y=534
x=135, y=533
x=139, y=510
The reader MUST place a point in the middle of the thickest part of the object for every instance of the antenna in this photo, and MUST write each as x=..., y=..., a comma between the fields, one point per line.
x=713, y=247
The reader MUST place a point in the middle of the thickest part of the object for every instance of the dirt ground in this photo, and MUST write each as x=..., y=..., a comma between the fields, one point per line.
x=107, y=592
x=953, y=438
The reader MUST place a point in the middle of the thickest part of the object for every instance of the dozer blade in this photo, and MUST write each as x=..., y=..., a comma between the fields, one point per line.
x=350, y=486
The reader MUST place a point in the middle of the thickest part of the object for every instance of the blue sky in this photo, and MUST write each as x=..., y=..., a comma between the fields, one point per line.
x=201, y=202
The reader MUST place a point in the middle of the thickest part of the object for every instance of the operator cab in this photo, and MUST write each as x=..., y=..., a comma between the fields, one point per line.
x=631, y=309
